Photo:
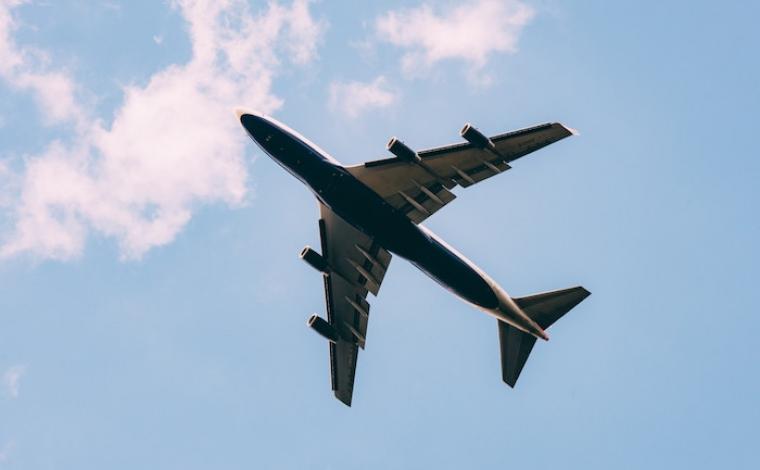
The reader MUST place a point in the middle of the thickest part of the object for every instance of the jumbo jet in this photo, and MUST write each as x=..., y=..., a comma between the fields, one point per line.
x=373, y=210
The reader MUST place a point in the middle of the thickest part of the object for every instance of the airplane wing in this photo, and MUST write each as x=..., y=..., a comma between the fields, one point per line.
x=357, y=265
x=419, y=184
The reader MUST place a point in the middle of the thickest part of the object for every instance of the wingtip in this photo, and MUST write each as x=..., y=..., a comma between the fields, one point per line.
x=582, y=290
x=345, y=400
x=571, y=130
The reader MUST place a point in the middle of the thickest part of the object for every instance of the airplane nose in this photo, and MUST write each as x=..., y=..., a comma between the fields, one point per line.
x=256, y=125
x=241, y=112
x=260, y=129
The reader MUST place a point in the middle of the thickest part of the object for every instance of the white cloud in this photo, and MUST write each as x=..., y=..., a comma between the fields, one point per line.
x=12, y=380
x=470, y=32
x=353, y=98
x=27, y=69
x=113, y=6
x=158, y=39
x=7, y=188
x=172, y=145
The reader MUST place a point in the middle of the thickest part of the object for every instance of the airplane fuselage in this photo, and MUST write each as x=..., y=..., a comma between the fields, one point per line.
x=361, y=207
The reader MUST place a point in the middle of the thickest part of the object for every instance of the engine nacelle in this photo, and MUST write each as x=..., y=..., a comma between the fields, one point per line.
x=315, y=260
x=324, y=329
x=400, y=149
x=476, y=138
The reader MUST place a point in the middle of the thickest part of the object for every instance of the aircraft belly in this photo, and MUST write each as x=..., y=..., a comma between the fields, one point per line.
x=457, y=276
x=364, y=209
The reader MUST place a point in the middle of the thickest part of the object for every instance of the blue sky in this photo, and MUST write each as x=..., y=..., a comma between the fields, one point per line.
x=153, y=307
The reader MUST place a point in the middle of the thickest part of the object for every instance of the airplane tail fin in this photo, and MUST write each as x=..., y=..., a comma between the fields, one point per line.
x=545, y=309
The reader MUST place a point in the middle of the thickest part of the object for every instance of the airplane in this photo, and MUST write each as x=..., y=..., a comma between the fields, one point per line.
x=371, y=210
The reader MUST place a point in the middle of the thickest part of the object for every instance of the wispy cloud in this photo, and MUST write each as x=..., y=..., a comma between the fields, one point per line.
x=7, y=196
x=27, y=69
x=12, y=380
x=6, y=450
x=112, y=6
x=172, y=145
x=470, y=32
x=354, y=98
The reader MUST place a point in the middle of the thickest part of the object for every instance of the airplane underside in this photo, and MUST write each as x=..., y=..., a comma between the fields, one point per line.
x=371, y=210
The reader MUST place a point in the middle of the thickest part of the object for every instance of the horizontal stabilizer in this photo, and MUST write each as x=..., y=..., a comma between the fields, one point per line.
x=548, y=307
x=545, y=309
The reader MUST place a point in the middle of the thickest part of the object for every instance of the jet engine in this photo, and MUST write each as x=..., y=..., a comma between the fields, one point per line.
x=400, y=149
x=324, y=329
x=476, y=138
x=314, y=259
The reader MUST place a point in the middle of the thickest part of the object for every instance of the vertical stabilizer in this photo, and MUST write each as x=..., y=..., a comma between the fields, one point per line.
x=515, y=348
